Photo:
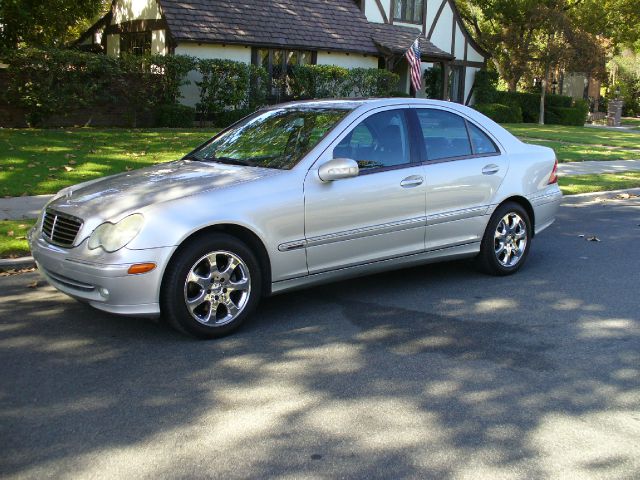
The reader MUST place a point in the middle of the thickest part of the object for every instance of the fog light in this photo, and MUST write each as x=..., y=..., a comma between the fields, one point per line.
x=103, y=292
x=139, y=268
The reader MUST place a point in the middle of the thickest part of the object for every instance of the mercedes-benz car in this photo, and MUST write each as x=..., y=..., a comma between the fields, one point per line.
x=295, y=195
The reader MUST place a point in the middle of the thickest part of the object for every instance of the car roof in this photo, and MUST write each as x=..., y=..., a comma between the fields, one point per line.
x=359, y=106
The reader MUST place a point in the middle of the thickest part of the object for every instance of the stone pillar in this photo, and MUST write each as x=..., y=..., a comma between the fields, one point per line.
x=614, y=115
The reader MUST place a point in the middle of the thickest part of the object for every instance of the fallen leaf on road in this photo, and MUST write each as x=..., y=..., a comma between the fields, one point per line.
x=593, y=239
x=626, y=196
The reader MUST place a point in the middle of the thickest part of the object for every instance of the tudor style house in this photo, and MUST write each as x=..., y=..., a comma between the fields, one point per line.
x=280, y=33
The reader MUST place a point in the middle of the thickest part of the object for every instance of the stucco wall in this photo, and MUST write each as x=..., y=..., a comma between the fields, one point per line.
x=113, y=45
x=347, y=60
x=441, y=37
x=128, y=10
x=191, y=93
x=158, y=42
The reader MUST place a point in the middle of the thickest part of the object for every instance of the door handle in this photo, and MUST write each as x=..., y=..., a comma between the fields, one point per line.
x=490, y=169
x=412, y=181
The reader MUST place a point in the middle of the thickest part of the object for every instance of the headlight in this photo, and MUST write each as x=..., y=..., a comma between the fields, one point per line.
x=113, y=236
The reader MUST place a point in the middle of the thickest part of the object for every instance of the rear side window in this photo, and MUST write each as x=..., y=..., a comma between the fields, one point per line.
x=445, y=134
x=482, y=144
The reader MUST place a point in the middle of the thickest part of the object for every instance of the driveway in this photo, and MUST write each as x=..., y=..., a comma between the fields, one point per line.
x=432, y=372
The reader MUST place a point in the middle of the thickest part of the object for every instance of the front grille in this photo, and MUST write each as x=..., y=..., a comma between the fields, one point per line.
x=60, y=229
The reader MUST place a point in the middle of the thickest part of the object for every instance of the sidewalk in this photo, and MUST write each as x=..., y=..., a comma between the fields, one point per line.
x=587, y=168
x=19, y=208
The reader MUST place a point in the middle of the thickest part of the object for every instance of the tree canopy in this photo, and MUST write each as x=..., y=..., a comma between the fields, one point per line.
x=527, y=37
x=51, y=23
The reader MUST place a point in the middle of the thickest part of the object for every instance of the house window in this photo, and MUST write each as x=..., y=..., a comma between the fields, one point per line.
x=409, y=11
x=138, y=43
x=279, y=64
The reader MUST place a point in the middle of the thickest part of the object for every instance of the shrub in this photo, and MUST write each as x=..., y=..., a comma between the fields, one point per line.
x=575, y=116
x=557, y=101
x=57, y=81
x=175, y=116
x=501, y=113
x=529, y=104
x=370, y=82
x=173, y=70
x=229, y=86
x=229, y=117
x=44, y=82
x=485, y=86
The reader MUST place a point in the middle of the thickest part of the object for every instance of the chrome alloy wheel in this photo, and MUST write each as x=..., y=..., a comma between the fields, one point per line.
x=510, y=239
x=217, y=288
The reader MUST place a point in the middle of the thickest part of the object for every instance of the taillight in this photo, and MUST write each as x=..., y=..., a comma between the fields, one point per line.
x=554, y=174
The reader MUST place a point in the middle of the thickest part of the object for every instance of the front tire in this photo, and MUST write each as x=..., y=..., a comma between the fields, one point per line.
x=506, y=241
x=211, y=286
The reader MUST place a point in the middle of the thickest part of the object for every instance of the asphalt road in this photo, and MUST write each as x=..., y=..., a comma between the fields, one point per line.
x=433, y=372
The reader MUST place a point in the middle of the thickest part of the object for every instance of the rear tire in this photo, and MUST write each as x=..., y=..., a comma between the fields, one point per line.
x=506, y=241
x=212, y=284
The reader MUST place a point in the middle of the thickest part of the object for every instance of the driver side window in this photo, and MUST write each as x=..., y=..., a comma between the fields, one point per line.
x=379, y=141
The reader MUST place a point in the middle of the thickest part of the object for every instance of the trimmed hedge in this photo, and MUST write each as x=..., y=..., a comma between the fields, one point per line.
x=175, y=116
x=52, y=82
x=500, y=113
x=330, y=81
x=486, y=92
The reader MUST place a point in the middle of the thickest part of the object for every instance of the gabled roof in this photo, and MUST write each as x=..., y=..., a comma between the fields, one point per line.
x=334, y=25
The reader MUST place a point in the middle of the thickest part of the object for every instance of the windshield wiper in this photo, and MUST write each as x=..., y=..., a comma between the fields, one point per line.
x=225, y=160
x=230, y=161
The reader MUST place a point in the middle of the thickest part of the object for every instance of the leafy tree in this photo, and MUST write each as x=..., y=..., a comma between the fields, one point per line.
x=528, y=37
x=51, y=23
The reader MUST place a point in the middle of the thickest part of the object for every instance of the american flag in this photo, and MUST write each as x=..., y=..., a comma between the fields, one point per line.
x=413, y=57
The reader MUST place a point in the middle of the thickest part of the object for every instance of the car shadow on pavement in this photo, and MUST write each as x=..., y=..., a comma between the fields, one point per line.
x=429, y=372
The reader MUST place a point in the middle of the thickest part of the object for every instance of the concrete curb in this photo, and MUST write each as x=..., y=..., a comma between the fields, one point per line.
x=16, y=263
x=585, y=197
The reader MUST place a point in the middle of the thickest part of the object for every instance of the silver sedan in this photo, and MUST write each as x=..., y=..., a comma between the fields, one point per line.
x=295, y=195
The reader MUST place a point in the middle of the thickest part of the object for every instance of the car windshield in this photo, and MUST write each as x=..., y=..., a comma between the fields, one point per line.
x=276, y=138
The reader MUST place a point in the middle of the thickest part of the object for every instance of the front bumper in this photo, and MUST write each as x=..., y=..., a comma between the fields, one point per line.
x=101, y=279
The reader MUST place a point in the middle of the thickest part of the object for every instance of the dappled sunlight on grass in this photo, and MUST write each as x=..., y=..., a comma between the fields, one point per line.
x=575, y=184
x=44, y=161
x=576, y=135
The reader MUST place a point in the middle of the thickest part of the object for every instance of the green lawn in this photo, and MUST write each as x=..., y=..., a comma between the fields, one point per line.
x=44, y=161
x=577, y=144
x=631, y=122
x=572, y=185
x=576, y=135
x=13, y=240
x=36, y=162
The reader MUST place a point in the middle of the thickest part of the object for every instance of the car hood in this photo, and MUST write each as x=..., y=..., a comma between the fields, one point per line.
x=113, y=196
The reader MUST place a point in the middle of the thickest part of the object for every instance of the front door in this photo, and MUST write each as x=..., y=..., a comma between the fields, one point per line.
x=377, y=215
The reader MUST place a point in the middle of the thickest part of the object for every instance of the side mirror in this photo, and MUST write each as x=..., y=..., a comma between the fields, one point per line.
x=337, y=169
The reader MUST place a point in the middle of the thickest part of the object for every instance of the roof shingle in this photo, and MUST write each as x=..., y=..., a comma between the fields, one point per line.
x=334, y=25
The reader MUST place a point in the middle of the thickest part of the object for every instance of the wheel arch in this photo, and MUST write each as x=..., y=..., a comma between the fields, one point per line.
x=243, y=234
x=526, y=204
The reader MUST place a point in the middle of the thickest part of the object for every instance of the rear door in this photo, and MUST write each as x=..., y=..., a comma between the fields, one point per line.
x=464, y=168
